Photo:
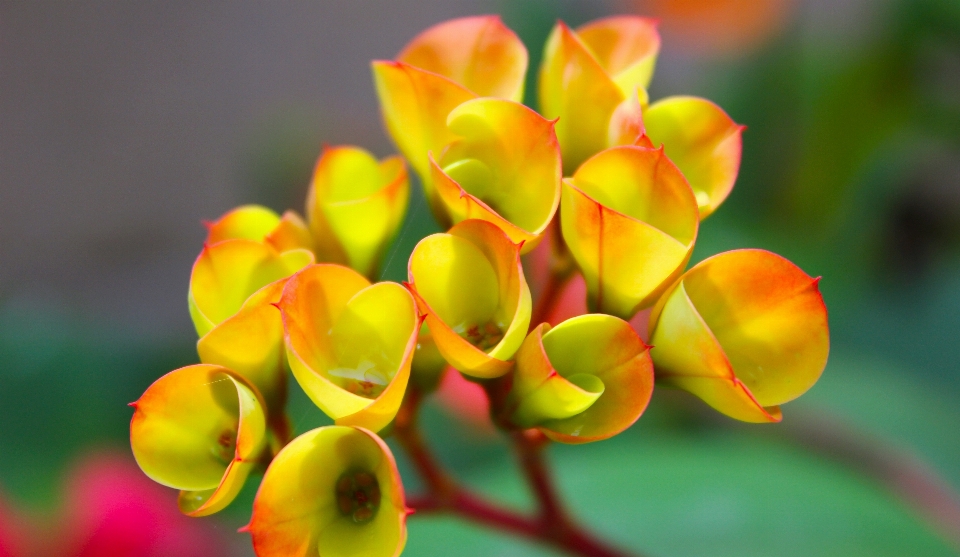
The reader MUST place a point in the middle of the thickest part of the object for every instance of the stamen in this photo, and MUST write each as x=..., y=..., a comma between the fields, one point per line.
x=358, y=495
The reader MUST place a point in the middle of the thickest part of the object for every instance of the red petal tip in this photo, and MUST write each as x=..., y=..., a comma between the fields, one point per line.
x=243, y=529
x=206, y=223
x=132, y=404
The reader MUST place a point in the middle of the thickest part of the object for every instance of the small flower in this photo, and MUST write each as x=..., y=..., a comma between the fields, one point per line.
x=504, y=167
x=200, y=429
x=745, y=331
x=630, y=220
x=586, y=379
x=349, y=343
x=355, y=206
x=592, y=74
x=333, y=491
x=260, y=224
x=444, y=66
x=469, y=283
x=232, y=288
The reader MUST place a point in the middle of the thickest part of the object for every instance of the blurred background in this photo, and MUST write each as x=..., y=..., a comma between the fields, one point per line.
x=124, y=125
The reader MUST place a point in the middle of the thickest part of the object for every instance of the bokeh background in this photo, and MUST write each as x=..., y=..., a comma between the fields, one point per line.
x=123, y=125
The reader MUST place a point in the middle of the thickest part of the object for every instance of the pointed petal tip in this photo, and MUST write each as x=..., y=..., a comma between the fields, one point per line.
x=132, y=404
x=244, y=529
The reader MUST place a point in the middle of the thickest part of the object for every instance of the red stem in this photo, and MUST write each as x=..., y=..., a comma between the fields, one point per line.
x=551, y=526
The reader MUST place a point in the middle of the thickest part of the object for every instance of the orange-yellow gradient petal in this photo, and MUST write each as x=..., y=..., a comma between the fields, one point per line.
x=355, y=206
x=586, y=379
x=630, y=221
x=478, y=52
x=332, y=492
x=349, y=343
x=504, y=168
x=200, y=429
x=227, y=273
x=260, y=224
x=626, y=47
x=469, y=283
x=745, y=330
x=702, y=141
x=415, y=104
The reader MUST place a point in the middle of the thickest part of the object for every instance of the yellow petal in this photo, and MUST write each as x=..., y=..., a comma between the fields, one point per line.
x=599, y=355
x=478, y=52
x=630, y=221
x=247, y=222
x=296, y=510
x=200, y=429
x=575, y=88
x=702, y=141
x=355, y=206
x=504, y=168
x=290, y=233
x=626, y=47
x=350, y=344
x=745, y=331
x=228, y=272
x=415, y=104
x=469, y=283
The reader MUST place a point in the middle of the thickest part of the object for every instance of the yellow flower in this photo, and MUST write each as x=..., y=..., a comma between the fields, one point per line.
x=333, y=491
x=355, y=207
x=349, y=343
x=200, y=429
x=469, y=283
x=745, y=331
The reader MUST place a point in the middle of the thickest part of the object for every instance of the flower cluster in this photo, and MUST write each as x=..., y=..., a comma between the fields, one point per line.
x=618, y=186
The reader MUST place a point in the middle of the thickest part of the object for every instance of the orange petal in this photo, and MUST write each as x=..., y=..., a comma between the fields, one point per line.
x=290, y=233
x=469, y=283
x=745, y=331
x=702, y=141
x=415, y=104
x=575, y=88
x=630, y=221
x=626, y=48
x=248, y=222
x=478, y=52
x=505, y=168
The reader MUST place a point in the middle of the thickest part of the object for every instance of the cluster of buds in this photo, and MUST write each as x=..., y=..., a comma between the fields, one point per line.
x=618, y=185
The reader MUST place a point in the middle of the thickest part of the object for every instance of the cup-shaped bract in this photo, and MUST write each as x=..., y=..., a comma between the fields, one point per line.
x=586, y=379
x=503, y=168
x=745, y=331
x=355, y=207
x=478, y=52
x=590, y=76
x=333, y=491
x=702, y=141
x=233, y=287
x=349, y=343
x=469, y=283
x=444, y=66
x=200, y=429
x=260, y=224
x=630, y=220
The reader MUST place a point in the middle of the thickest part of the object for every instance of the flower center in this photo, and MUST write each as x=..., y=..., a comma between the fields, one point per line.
x=484, y=336
x=358, y=495
x=226, y=446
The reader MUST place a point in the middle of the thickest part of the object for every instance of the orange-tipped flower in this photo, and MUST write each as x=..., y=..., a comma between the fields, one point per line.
x=444, y=66
x=469, y=283
x=200, y=429
x=745, y=331
x=349, y=343
x=333, y=491
x=503, y=168
x=630, y=220
x=586, y=379
x=586, y=76
x=260, y=224
x=702, y=141
x=355, y=206
x=232, y=288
